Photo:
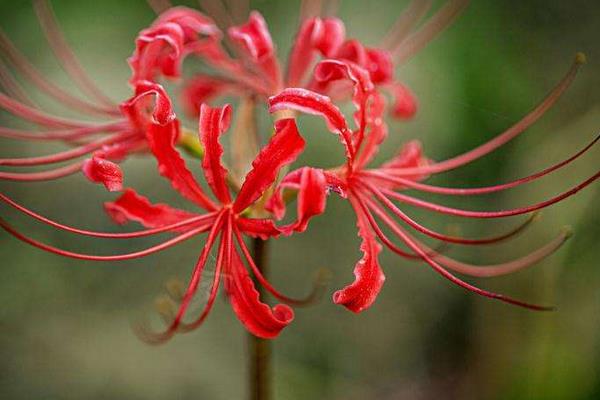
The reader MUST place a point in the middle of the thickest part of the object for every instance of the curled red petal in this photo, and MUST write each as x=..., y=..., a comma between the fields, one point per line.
x=259, y=318
x=283, y=148
x=332, y=70
x=369, y=277
x=331, y=36
x=136, y=107
x=255, y=40
x=100, y=170
x=309, y=102
x=161, y=140
x=276, y=203
x=253, y=36
x=405, y=103
x=162, y=132
x=258, y=227
x=158, y=51
x=380, y=65
x=352, y=50
x=193, y=23
x=214, y=122
x=312, y=198
x=202, y=89
x=313, y=186
x=377, y=62
x=131, y=206
x=315, y=35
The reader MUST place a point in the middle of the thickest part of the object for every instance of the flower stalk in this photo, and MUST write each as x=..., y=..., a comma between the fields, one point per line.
x=260, y=375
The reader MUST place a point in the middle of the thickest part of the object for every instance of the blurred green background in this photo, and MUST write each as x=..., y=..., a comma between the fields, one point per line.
x=65, y=324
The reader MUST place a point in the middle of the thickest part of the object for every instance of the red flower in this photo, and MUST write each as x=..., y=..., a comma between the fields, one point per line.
x=372, y=191
x=346, y=69
x=223, y=219
x=160, y=50
x=255, y=69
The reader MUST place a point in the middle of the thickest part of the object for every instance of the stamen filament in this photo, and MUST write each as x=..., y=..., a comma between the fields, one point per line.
x=90, y=257
x=505, y=136
x=443, y=272
x=405, y=23
x=159, y=6
x=359, y=210
x=441, y=20
x=65, y=155
x=157, y=338
x=108, y=235
x=223, y=259
x=36, y=116
x=482, y=271
x=63, y=134
x=42, y=175
x=13, y=87
x=488, y=214
x=383, y=175
x=267, y=285
x=452, y=239
x=22, y=65
x=65, y=55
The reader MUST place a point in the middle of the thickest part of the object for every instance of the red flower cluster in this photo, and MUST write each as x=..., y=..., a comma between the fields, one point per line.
x=324, y=67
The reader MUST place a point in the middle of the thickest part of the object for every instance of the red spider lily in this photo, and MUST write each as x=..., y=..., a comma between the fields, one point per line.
x=160, y=51
x=223, y=219
x=372, y=191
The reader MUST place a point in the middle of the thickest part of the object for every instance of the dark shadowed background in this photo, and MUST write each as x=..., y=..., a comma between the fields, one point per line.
x=65, y=324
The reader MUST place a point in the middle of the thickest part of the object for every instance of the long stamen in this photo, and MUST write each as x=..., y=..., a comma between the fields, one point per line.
x=493, y=270
x=442, y=271
x=359, y=209
x=505, y=136
x=217, y=11
x=157, y=338
x=405, y=23
x=452, y=239
x=223, y=259
x=489, y=214
x=309, y=9
x=239, y=9
x=436, y=24
x=12, y=87
x=63, y=134
x=314, y=293
x=65, y=55
x=331, y=8
x=128, y=235
x=47, y=175
x=482, y=271
x=380, y=174
x=22, y=65
x=36, y=116
x=90, y=257
x=159, y=6
x=65, y=155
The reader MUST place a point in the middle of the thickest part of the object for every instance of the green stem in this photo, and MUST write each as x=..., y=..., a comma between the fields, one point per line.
x=260, y=376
